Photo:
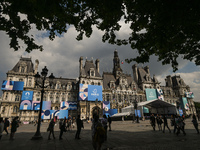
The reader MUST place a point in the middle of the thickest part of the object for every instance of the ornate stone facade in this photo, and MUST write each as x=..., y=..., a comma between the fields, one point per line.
x=118, y=88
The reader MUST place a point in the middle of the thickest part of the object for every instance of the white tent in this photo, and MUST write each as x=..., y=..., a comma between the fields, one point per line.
x=159, y=106
x=154, y=106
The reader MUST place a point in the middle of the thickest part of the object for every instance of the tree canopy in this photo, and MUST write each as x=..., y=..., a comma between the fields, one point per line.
x=164, y=28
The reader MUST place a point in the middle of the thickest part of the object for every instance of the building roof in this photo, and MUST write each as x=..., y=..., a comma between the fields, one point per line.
x=24, y=61
x=86, y=69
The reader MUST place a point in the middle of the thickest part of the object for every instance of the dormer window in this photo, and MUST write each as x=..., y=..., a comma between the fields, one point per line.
x=22, y=69
x=92, y=72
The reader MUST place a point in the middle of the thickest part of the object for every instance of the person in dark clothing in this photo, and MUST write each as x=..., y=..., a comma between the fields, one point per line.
x=195, y=123
x=180, y=126
x=173, y=122
x=165, y=124
x=79, y=125
x=51, y=129
x=15, y=125
x=159, y=122
x=1, y=127
x=153, y=121
x=6, y=125
x=109, y=122
x=62, y=126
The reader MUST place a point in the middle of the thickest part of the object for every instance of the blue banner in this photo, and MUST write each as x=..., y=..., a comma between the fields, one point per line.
x=46, y=105
x=137, y=113
x=106, y=105
x=27, y=95
x=94, y=92
x=7, y=85
x=68, y=105
x=50, y=114
x=12, y=85
x=110, y=112
x=90, y=92
x=18, y=86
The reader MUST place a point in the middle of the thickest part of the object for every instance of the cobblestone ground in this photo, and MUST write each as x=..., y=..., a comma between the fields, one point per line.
x=124, y=136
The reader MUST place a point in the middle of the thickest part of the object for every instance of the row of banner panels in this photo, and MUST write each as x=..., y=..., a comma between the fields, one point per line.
x=90, y=92
x=12, y=85
x=51, y=114
x=27, y=103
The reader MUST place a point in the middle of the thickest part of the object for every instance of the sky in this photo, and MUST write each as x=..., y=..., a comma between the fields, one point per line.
x=61, y=56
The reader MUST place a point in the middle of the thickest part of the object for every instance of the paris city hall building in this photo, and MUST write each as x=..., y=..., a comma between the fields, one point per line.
x=118, y=88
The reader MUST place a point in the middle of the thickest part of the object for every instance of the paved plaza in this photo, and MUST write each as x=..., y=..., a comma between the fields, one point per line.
x=124, y=136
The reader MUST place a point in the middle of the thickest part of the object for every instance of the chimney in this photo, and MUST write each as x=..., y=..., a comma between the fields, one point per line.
x=80, y=64
x=36, y=66
x=97, y=64
x=135, y=73
x=147, y=69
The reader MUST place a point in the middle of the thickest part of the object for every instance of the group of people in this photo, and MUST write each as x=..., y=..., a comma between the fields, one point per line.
x=98, y=136
x=64, y=126
x=4, y=125
x=177, y=122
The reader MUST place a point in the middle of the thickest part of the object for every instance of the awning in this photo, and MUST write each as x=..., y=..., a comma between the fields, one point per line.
x=156, y=104
x=122, y=114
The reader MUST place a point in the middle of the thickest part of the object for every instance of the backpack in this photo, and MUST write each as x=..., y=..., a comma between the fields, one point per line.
x=100, y=133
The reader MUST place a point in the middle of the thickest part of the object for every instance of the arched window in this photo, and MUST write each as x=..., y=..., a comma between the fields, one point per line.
x=92, y=83
x=56, y=108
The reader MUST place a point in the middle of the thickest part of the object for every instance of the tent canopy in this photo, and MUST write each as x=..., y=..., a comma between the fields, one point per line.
x=156, y=104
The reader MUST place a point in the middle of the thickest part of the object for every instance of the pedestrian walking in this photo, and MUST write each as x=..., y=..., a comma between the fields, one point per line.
x=165, y=124
x=159, y=122
x=153, y=121
x=62, y=126
x=1, y=127
x=98, y=133
x=109, y=122
x=14, y=126
x=173, y=122
x=195, y=123
x=51, y=129
x=69, y=123
x=6, y=125
x=104, y=122
x=79, y=124
x=180, y=126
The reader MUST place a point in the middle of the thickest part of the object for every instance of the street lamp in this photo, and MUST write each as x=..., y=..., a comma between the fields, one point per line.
x=43, y=78
x=135, y=106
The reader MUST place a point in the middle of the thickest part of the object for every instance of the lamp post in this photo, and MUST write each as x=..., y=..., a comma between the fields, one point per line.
x=135, y=106
x=42, y=85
